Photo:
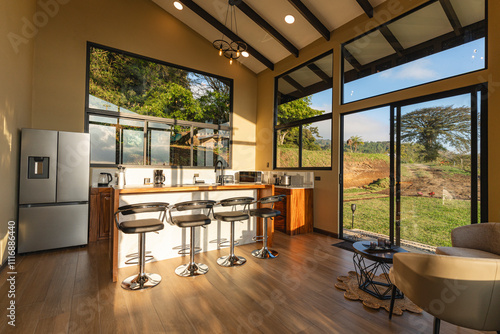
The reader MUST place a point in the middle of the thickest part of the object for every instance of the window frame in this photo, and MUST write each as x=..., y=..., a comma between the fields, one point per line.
x=300, y=123
x=342, y=48
x=169, y=121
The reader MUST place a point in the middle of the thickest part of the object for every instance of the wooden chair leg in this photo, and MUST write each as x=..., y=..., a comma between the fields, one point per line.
x=393, y=299
x=437, y=323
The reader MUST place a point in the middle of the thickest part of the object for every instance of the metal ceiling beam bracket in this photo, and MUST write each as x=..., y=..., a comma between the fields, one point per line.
x=267, y=27
x=452, y=17
x=226, y=31
x=309, y=16
x=367, y=7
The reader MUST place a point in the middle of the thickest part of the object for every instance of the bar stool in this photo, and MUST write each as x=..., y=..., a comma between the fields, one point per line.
x=232, y=260
x=192, y=268
x=265, y=213
x=142, y=280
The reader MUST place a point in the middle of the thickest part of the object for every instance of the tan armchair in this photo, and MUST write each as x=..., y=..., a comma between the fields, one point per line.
x=476, y=240
x=459, y=290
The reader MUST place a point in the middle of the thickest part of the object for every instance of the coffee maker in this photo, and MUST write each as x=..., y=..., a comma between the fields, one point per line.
x=159, y=178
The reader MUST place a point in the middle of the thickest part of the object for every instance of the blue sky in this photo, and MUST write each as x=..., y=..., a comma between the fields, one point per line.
x=374, y=125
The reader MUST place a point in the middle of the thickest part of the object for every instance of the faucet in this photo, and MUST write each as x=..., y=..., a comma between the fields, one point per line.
x=221, y=176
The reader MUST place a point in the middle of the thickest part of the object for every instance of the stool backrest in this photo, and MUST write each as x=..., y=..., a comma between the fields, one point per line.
x=131, y=209
x=237, y=201
x=272, y=199
x=193, y=205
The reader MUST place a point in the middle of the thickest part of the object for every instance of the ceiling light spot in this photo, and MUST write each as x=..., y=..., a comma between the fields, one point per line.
x=245, y=54
x=289, y=19
x=178, y=5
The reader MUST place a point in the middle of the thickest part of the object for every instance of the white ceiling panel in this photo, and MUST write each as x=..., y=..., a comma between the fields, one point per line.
x=305, y=77
x=469, y=11
x=370, y=47
x=421, y=26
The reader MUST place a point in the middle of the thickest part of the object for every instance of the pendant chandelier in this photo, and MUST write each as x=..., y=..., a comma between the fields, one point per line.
x=230, y=49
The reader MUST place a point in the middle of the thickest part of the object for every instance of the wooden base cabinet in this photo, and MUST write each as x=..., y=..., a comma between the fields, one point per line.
x=100, y=214
x=296, y=212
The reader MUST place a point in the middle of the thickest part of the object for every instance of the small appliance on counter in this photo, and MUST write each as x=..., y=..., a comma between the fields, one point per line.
x=120, y=175
x=159, y=178
x=250, y=177
x=226, y=179
x=104, y=180
x=285, y=180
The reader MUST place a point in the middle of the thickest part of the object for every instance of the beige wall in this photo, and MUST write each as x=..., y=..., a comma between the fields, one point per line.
x=16, y=66
x=326, y=193
x=137, y=26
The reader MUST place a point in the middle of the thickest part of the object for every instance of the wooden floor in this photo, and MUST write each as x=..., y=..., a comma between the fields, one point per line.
x=70, y=291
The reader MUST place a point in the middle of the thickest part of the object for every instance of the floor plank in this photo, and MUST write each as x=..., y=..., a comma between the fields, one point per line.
x=70, y=291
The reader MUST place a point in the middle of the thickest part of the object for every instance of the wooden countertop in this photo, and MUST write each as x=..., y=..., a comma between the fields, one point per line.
x=144, y=189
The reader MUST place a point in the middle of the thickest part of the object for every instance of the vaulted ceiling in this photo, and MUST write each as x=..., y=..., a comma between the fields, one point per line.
x=261, y=23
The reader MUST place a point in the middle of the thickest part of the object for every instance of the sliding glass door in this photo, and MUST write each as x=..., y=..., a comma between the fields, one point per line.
x=432, y=169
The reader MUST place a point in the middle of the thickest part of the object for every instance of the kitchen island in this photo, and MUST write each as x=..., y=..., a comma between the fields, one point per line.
x=167, y=242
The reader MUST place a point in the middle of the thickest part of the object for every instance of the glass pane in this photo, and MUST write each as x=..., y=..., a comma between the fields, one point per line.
x=435, y=170
x=366, y=174
x=210, y=145
x=102, y=139
x=306, y=91
x=159, y=144
x=415, y=49
x=180, y=146
x=124, y=83
x=287, y=154
x=132, y=142
x=317, y=144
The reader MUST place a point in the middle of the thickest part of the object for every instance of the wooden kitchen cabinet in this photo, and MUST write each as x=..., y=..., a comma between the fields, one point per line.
x=296, y=212
x=100, y=214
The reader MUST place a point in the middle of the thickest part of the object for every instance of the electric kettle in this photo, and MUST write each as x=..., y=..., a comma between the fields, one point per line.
x=104, y=179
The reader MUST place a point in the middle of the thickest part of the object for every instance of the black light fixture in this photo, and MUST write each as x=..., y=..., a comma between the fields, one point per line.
x=230, y=49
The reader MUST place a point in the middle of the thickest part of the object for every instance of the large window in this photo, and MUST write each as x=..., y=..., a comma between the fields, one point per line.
x=414, y=170
x=438, y=40
x=142, y=111
x=303, y=116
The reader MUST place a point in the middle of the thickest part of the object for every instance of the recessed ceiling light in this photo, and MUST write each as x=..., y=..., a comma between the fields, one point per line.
x=245, y=54
x=289, y=19
x=178, y=5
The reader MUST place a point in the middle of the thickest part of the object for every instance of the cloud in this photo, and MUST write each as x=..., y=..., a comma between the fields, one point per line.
x=417, y=70
x=370, y=125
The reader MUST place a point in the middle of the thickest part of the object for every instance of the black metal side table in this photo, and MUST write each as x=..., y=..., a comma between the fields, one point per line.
x=370, y=263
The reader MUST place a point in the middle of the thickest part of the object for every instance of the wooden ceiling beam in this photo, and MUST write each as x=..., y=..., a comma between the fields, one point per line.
x=389, y=36
x=319, y=72
x=226, y=31
x=294, y=83
x=267, y=27
x=367, y=7
x=353, y=61
x=309, y=16
x=452, y=17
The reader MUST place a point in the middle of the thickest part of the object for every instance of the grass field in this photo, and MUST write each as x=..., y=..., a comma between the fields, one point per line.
x=424, y=219
x=289, y=157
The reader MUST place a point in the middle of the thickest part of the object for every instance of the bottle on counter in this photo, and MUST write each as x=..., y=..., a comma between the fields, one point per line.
x=121, y=176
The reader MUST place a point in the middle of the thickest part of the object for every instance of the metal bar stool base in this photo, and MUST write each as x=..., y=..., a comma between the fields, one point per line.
x=136, y=282
x=191, y=270
x=231, y=261
x=265, y=253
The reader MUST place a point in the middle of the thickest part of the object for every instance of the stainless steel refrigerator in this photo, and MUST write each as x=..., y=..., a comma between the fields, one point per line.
x=53, y=189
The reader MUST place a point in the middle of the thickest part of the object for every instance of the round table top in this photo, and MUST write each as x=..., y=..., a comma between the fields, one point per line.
x=376, y=255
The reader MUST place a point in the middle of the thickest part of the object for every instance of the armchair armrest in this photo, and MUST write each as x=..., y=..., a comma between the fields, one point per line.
x=485, y=237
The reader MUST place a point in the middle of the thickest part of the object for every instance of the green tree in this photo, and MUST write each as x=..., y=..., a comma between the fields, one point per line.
x=355, y=141
x=293, y=111
x=435, y=127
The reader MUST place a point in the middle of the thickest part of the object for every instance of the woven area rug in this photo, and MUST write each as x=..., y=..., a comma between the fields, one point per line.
x=352, y=292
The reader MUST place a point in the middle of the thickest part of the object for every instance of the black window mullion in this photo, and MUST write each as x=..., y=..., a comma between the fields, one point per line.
x=341, y=179
x=391, y=175
x=473, y=163
x=300, y=146
x=484, y=153
x=398, y=177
